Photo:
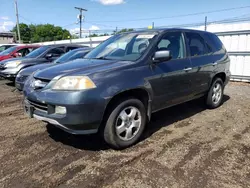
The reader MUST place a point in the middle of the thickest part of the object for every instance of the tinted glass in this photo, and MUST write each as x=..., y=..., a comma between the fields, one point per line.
x=172, y=42
x=125, y=47
x=8, y=51
x=65, y=57
x=37, y=52
x=196, y=44
x=56, y=52
x=71, y=48
x=71, y=55
x=216, y=41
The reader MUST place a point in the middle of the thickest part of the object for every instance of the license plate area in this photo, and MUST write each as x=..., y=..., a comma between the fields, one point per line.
x=28, y=109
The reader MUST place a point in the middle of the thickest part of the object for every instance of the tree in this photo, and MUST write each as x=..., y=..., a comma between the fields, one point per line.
x=123, y=31
x=42, y=32
x=25, y=32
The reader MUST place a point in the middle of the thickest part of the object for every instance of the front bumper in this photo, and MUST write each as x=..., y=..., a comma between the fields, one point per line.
x=9, y=73
x=20, y=81
x=84, y=114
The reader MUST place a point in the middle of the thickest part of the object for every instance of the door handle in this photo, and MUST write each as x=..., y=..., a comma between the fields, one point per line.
x=215, y=63
x=187, y=69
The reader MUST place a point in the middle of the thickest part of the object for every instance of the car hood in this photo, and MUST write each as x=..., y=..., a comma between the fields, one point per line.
x=79, y=67
x=28, y=71
x=23, y=59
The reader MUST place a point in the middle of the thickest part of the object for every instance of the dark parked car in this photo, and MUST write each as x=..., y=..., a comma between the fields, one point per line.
x=127, y=78
x=69, y=56
x=10, y=68
x=17, y=51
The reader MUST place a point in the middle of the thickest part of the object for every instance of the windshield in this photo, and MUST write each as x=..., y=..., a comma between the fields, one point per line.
x=4, y=47
x=37, y=52
x=66, y=57
x=8, y=51
x=124, y=47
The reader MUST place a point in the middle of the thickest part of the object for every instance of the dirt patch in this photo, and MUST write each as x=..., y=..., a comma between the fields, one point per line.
x=183, y=146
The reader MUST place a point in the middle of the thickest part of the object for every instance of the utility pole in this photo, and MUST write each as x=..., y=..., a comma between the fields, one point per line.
x=153, y=25
x=80, y=17
x=206, y=23
x=17, y=23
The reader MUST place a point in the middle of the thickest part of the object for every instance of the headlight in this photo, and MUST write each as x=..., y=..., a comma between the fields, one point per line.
x=12, y=64
x=74, y=83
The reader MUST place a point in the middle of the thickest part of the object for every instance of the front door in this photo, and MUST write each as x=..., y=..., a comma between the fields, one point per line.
x=171, y=80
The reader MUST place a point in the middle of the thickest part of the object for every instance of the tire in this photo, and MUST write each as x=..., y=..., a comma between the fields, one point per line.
x=125, y=123
x=215, y=94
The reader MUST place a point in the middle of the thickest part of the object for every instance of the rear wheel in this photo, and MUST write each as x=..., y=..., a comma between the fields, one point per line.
x=215, y=94
x=125, y=123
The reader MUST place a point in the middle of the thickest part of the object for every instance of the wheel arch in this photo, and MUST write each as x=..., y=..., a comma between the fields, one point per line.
x=139, y=93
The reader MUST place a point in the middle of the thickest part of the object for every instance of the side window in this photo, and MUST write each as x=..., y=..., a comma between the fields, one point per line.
x=23, y=52
x=217, y=42
x=196, y=44
x=173, y=42
x=70, y=48
x=31, y=49
x=56, y=52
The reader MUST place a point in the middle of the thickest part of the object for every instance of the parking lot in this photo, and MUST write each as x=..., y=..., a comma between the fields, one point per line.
x=184, y=146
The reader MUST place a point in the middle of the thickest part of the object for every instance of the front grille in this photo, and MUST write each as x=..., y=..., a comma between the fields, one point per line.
x=22, y=78
x=2, y=68
x=39, y=106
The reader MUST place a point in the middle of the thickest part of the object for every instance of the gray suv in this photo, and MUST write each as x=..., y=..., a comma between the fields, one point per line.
x=120, y=83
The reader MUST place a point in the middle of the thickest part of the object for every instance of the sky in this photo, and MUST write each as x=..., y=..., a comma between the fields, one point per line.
x=109, y=14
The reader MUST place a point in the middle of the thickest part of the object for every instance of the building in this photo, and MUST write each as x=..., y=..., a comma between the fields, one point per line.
x=7, y=37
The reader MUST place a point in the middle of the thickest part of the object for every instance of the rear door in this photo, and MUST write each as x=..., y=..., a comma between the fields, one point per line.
x=171, y=80
x=200, y=54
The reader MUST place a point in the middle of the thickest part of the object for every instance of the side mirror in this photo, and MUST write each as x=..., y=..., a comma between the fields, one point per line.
x=49, y=56
x=160, y=56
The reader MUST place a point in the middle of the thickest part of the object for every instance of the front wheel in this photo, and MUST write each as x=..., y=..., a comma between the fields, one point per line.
x=125, y=124
x=215, y=94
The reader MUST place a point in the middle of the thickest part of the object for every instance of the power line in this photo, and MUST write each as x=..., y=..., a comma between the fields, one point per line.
x=177, y=16
x=26, y=19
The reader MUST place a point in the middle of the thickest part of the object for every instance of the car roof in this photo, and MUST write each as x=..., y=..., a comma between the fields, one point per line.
x=8, y=44
x=81, y=49
x=28, y=45
x=161, y=30
x=64, y=45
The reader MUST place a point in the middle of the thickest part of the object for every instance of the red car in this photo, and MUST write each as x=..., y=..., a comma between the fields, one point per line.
x=17, y=51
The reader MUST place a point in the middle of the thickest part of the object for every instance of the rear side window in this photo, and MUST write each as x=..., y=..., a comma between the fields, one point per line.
x=196, y=44
x=216, y=42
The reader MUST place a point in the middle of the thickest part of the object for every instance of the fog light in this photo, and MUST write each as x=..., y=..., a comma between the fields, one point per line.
x=60, y=110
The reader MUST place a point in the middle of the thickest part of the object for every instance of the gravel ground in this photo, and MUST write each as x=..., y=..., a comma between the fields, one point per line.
x=183, y=146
